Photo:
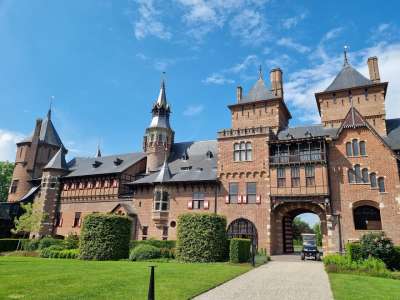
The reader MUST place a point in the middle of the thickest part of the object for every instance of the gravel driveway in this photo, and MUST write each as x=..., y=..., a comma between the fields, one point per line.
x=285, y=277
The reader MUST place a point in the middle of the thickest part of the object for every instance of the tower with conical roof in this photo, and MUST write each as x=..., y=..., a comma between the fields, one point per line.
x=159, y=136
x=33, y=154
x=351, y=88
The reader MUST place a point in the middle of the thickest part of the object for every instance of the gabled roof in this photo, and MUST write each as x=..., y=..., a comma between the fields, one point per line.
x=347, y=78
x=188, y=162
x=304, y=132
x=57, y=162
x=89, y=166
x=258, y=92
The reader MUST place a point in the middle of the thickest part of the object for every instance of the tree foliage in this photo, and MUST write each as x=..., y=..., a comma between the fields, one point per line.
x=6, y=172
x=299, y=227
x=318, y=234
x=31, y=219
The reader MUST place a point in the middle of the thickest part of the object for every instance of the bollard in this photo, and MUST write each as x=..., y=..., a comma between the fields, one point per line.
x=151, y=294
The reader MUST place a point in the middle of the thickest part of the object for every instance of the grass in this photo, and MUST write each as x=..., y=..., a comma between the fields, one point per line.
x=39, y=278
x=355, y=287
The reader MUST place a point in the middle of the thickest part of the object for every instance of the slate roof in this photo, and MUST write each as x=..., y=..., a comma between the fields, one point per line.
x=348, y=77
x=48, y=134
x=393, y=133
x=258, y=92
x=85, y=166
x=196, y=166
x=302, y=132
x=58, y=161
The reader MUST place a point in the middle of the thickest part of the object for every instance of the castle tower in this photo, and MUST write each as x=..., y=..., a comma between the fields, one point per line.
x=32, y=155
x=159, y=136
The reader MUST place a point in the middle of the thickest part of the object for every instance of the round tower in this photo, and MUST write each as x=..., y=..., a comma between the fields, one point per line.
x=159, y=136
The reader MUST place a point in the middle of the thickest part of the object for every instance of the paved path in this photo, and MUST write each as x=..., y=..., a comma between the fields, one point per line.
x=284, y=278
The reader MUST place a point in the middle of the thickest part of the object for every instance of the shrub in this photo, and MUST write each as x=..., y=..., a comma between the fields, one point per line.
x=46, y=242
x=354, y=251
x=201, y=237
x=143, y=252
x=71, y=241
x=167, y=253
x=239, y=250
x=57, y=252
x=105, y=237
x=170, y=244
x=30, y=245
x=9, y=244
x=377, y=245
x=48, y=252
x=394, y=262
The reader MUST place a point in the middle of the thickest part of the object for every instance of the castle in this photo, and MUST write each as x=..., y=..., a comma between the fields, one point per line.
x=259, y=173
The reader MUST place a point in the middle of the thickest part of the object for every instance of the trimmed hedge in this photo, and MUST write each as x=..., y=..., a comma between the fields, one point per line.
x=170, y=244
x=144, y=252
x=9, y=244
x=239, y=250
x=46, y=242
x=201, y=238
x=30, y=245
x=354, y=251
x=105, y=237
x=56, y=252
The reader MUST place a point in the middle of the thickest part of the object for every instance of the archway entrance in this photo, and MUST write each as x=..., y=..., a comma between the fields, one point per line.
x=282, y=224
x=243, y=228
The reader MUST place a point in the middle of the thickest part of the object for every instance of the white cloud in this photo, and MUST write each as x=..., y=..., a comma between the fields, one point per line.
x=149, y=22
x=331, y=34
x=292, y=22
x=217, y=78
x=250, y=26
x=193, y=110
x=8, y=140
x=289, y=43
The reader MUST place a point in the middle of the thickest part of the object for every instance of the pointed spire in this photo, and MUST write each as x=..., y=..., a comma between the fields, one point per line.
x=50, y=107
x=58, y=161
x=164, y=174
x=98, y=152
x=346, y=61
x=162, y=98
x=260, y=74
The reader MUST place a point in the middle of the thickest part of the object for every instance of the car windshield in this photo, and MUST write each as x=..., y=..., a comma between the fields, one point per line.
x=309, y=243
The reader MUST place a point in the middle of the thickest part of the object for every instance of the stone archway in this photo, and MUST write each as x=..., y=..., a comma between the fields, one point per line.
x=281, y=224
x=243, y=228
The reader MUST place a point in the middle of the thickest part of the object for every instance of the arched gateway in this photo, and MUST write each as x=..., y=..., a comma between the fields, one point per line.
x=243, y=228
x=281, y=222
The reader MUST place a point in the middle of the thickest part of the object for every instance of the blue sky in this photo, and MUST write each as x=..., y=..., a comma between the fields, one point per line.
x=102, y=61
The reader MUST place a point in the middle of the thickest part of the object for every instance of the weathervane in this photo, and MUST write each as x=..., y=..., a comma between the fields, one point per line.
x=346, y=48
x=260, y=72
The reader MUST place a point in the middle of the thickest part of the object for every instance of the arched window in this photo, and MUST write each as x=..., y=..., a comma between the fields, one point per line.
x=236, y=152
x=372, y=179
x=363, y=148
x=381, y=184
x=249, y=151
x=349, y=151
x=350, y=174
x=364, y=174
x=356, y=151
x=357, y=171
x=367, y=217
x=242, y=151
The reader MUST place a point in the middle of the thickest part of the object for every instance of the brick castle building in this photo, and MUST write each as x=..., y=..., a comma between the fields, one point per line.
x=259, y=173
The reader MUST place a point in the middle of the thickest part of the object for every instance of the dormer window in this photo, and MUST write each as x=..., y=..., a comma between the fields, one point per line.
x=186, y=168
x=185, y=156
x=209, y=154
x=97, y=164
x=118, y=161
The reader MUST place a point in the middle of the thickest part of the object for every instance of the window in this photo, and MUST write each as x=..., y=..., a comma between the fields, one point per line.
x=233, y=192
x=77, y=220
x=363, y=148
x=198, y=200
x=351, y=175
x=372, y=179
x=281, y=176
x=161, y=201
x=295, y=174
x=365, y=175
x=381, y=184
x=310, y=176
x=249, y=151
x=251, y=192
x=357, y=171
x=236, y=152
x=242, y=151
x=367, y=218
x=355, y=148
x=14, y=186
x=349, y=149
x=144, y=232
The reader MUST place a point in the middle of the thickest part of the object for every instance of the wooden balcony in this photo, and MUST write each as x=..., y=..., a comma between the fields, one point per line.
x=305, y=157
x=315, y=190
x=160, y=217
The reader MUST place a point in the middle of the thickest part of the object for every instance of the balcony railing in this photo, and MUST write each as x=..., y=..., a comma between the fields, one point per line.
x=300, y=190
x=298, y=158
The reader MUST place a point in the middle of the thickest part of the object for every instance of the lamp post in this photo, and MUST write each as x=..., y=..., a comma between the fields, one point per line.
x=151, y=294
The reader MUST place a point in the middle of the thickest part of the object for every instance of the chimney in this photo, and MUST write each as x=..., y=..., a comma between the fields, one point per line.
x=239, y=93
x=373, y=69
x=276, y=82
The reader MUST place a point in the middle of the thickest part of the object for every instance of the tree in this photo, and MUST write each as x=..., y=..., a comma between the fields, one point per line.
x=6, y=172
x=299, y=227
x=318, y=234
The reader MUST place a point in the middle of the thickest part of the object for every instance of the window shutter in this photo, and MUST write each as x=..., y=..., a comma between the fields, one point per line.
x=227, y=199
x=190, y=204
x=206, y=204
x=61, y=222
x=79, y=222
x=240, y=198
x=258, y=199
x=244, y=199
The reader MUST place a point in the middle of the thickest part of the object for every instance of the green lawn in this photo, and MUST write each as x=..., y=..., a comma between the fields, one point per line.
x=354, y=287
x=39, y=278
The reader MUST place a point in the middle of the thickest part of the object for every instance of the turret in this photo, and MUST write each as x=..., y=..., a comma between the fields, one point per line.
x=159, y=136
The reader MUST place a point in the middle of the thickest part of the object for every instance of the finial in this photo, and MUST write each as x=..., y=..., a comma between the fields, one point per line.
x=50, y=107
x=260, y=75
x=346, y=62
x=98, y=152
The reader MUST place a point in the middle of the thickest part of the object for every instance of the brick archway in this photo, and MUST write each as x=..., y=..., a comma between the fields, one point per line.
x=281, y=222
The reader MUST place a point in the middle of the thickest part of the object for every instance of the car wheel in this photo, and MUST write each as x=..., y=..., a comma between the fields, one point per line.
x=303, y=257
x=318, y=257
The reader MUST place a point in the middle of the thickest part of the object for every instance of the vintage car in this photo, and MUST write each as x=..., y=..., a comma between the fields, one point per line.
x=310, y=249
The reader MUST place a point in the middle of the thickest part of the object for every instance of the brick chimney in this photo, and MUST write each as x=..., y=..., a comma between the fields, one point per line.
x=373, y=69
x=239, y=93
x=276, y=82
